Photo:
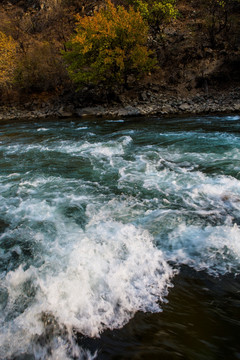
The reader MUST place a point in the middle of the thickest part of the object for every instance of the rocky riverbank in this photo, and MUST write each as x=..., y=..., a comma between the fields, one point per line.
x=149, y=104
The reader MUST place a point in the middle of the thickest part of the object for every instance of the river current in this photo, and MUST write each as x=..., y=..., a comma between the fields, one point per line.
x=120, y=239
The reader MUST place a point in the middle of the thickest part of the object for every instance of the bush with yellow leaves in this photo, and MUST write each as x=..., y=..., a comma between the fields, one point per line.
x=8, y=59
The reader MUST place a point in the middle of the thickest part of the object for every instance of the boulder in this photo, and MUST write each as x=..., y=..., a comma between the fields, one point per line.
x=91, y=111
x=185, y=107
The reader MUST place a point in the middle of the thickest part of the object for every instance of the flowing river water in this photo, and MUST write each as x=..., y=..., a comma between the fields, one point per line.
x=120, y=239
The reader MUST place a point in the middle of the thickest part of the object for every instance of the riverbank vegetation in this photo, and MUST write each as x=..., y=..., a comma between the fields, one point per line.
x=50, y=48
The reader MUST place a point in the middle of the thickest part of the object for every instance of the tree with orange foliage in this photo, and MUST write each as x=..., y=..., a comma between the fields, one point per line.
x=8, y=54
x=109, y=46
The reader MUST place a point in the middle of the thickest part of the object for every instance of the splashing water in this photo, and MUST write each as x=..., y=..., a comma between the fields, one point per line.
x=97, y=219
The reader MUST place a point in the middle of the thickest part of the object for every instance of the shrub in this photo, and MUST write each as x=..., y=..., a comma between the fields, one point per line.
x=109, y=46
x=155, y=12
x=8, y=56
x=219, y=18
x=40, y=68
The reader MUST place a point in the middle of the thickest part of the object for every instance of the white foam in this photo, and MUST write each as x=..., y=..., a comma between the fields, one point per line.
x=232, y=118
x=91, y=281
x=13, y=175
x=115, y=121
x=215, y=249
x=112, y=272
x=85, y=148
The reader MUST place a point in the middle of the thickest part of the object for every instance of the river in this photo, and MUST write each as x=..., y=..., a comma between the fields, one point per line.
x=120, y=239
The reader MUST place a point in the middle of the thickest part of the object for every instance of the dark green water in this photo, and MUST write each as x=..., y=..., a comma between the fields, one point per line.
x=120, y=239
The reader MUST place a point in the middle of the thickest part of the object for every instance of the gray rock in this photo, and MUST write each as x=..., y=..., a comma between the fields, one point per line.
x=90, y=111
x=64, y=114
x=237, y=107
x=144, y=96
x=129, y=111
x=185, y=107
x=167, y=109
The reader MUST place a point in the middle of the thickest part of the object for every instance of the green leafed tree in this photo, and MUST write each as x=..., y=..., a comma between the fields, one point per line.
x=109, y=46
x=156, y=12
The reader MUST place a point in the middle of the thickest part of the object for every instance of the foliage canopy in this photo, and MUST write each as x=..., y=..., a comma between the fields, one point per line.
x=109, y=46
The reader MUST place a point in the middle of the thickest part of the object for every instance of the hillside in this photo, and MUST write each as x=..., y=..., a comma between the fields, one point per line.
x=197, y=52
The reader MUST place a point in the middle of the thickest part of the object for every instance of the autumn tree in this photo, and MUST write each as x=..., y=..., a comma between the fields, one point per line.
x=7, y=59
x=109, y=46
